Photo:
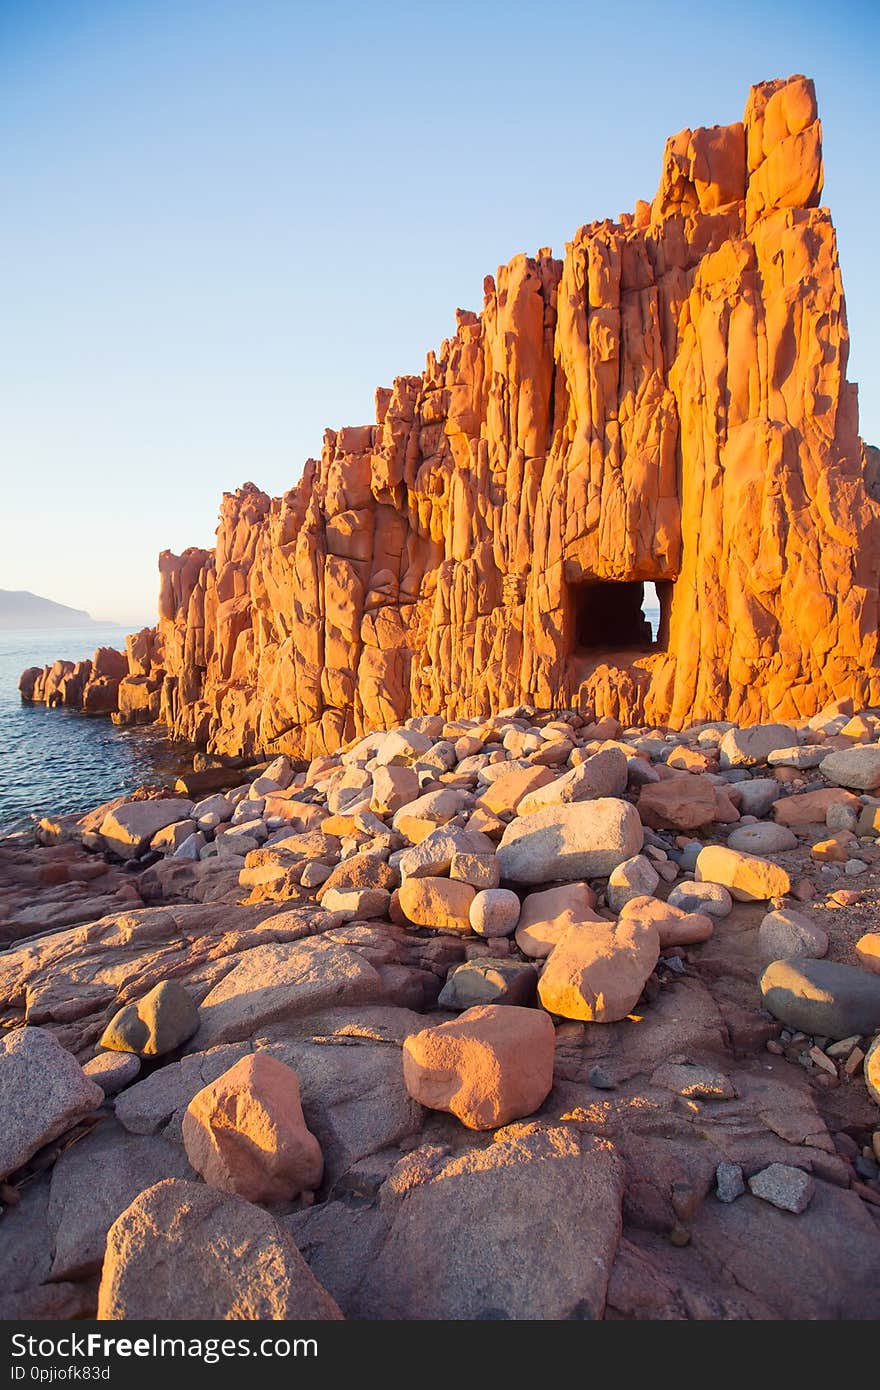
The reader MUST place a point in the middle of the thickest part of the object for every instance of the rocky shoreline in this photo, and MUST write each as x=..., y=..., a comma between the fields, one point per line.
x=527, y=1016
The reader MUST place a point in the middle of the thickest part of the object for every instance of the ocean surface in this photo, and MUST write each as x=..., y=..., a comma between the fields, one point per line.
x=57, y=760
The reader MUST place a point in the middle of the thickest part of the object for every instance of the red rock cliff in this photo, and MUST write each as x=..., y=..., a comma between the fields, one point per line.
x=668, y=402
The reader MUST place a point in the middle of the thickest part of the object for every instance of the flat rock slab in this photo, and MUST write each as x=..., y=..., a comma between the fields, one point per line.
x=789, y=1189
x=185, y=1246
x=525, y=1228
x=43, y=1092
x=822, y=997
x=93, y=1182
x=272, y=983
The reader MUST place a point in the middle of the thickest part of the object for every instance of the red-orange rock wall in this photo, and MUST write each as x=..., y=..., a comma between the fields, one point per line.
x=667, y=403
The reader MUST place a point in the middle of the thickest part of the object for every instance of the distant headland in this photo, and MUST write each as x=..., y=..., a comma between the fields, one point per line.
x=21, y=609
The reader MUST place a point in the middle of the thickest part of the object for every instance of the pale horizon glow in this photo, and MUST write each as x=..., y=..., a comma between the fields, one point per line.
x=225, y=225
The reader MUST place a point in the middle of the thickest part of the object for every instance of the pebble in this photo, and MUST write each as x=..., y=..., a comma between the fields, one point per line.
x=729, y=1182
x=789, y=1189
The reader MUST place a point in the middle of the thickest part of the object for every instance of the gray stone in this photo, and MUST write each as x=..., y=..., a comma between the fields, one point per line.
x=495, y=912
x=432, y=857
x=711, y=898
x=487, y=981
x=790, y=1189
x=746, y=747
x=822, y=997
x=857, y=768
x=729, y=1182
x=183, y=1245
x=785, y=935
x=43, y=1092
x=93, y=1182
x=808, y=755
x=634, y=878
x=765, y=837
x=563, y=843
x=113, y=1071
x=155, y=1024
x=605, y=774
x=757, y=795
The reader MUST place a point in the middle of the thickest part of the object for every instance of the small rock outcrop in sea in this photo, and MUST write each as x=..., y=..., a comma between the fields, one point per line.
x=667, y=403
x=374, y=1049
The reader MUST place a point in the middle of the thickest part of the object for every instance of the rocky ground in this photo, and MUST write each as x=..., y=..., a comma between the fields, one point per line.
x=521, y=1017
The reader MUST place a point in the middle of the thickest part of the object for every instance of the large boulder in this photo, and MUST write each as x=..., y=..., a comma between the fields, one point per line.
x=811, y=808
x=155, y=1024
x=747, y=877
x=523, y=1228
x=678, y=803
x=245, y=1132
x=128, y=829
x=786, y=934
x=822, y=997
x=598, y=971
x=184, y=1249
x=747, y=747
x=43, y=1092
x=491, y=1065
x=561, y=843
x=857, y=767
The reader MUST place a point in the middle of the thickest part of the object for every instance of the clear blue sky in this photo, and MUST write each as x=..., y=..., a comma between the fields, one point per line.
x=224, y=224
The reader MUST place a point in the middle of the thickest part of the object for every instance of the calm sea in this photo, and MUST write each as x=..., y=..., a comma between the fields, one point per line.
x=59, y=760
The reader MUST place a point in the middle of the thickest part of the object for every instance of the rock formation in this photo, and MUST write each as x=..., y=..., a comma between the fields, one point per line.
x=667, y=403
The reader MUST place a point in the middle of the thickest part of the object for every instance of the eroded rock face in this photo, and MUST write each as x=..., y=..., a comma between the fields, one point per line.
x=668, y=402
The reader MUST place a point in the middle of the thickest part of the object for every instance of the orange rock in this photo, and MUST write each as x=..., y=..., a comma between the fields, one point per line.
x=811, y=808
x=666, y=403
x=598, y=971
x=674, y=927
x=443, y=903
x=747, y=877
x=491, y=1065
x=868, y=951
x=245, y=1132
x=681, y=803
x=546, y=916
x=508, y=790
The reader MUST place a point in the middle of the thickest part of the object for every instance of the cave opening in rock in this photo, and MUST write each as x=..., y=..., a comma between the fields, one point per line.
x=619, y=615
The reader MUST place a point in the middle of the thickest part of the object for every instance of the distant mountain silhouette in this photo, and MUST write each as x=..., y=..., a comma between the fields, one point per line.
x=18, y=608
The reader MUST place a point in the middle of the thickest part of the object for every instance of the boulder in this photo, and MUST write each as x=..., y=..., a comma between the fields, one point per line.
x=184, y=1246
x=562, y=843
x=357, y=904
x=747, y=877
x=43, y=1092
x=857, y=767
x=822, y=997
x=747, y=747
x=504, y=795
x=765, y=837
x=523, y=1228
x=598, y=971
x=711, y=899
x=153, y=1025
x=757, y=795
x=494, y=912
x=868, y=951
x=634, y=878
x=811, y=808
x=245, y=1132
x=128, y=829
x=113, y=1071
x=442, y=903
x=545, y=917
x=602, y=775
x=487, y=981
x=491, y=1065
x=785, y=935
x=678, y=803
